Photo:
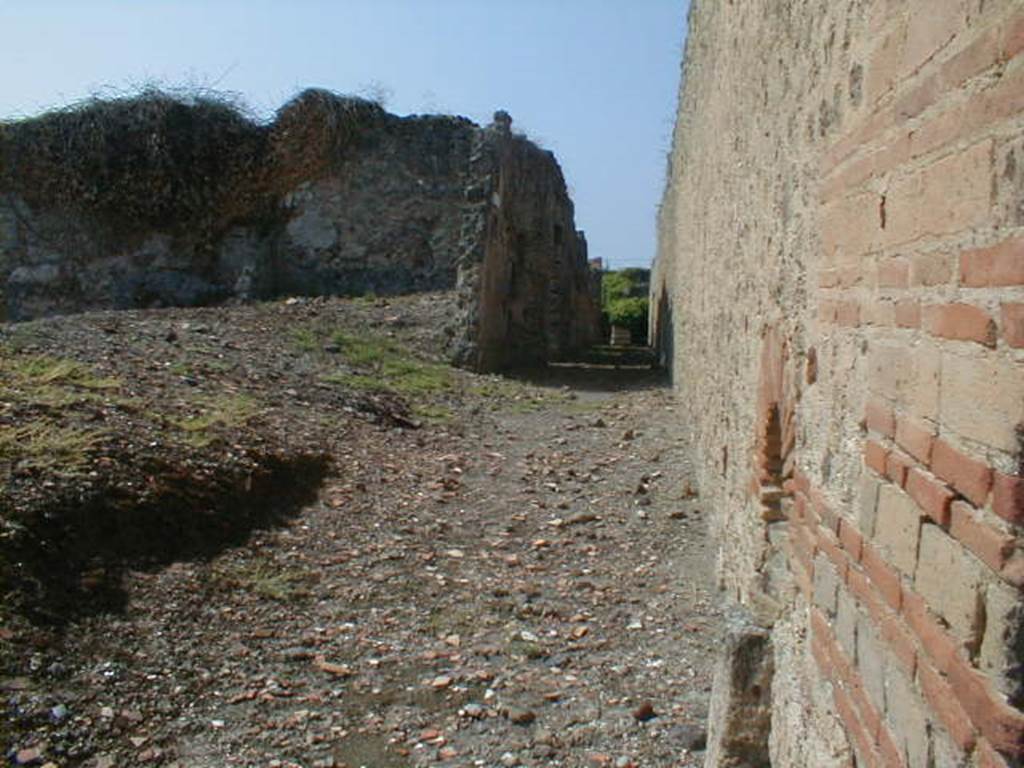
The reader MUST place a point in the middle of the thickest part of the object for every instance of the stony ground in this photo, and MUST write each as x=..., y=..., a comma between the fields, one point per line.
x=521, y=578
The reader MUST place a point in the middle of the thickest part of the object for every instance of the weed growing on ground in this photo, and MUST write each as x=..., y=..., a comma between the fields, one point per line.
x=305, y=339
x=384, y=365
x=263, y=579
x=40, y=446
x=43, y=442
x=435, y=414
x=39, y=370
x=216, y=412
x=30, y=374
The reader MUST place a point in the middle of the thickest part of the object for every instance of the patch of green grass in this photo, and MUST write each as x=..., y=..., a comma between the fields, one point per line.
x=18, y=337
x=411, y=377
x=435, y=414
x=263, y=579
x=383, y=365
x=459, y=619
x=305, y=339
x=42, y=446
x=212, y=412
x=38, y=370
x=51, y=382
x=367, y=350
x=583, y=407
x=525, y=648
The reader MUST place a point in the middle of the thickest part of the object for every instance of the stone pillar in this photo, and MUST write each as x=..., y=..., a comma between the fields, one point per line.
x=740, y=717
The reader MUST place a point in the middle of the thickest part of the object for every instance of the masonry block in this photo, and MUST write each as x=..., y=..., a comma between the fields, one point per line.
x=867, y=503
x=929, y=30
x=897, y=528
x=951, y=582
x=871, y=660
x=909, y=376
x=826, y=585
x=1002, y=647
x=740, y=704
x=908, y=717
x=943, y=701
x=845, y=624
x=951, y=195
x=894, y=273
x=981, y=399
x=908, y=313
x=931, y=269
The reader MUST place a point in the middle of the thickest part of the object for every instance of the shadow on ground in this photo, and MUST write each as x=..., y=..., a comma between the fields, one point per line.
x=602, y=369
x=69, y=560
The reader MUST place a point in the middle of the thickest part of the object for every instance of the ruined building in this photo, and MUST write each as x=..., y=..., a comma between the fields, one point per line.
x=156, y=201
x=840, y=287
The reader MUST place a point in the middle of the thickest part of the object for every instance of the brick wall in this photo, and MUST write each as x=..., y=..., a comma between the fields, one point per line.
x=842, y=242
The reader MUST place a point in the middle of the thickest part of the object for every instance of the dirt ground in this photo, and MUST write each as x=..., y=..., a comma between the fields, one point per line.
x=522, y=579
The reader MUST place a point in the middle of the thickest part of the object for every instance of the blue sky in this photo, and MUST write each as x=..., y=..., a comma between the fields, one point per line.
x=593, y=80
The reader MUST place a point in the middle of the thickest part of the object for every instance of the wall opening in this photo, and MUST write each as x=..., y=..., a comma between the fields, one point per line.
x=772, y=467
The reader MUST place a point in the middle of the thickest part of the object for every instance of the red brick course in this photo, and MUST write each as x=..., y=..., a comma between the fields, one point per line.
x=1000, y=723
x=825, y=514
x=908, y=313
x=1008, y=497
x=851, y=539
x=872, y=738
x=897, y=466
x=988, y=757
x=1012, y=320
x=1012, y=40
x=883, y=575
x=960, y=322
x=931, y=496
x=935, y=641
x=989, y=545
x=960, y=695
x=894, y=273
x=915, y=439
x=943, y=701
x=997, y=265
x=875, y=457
x=879, y=418
x=968, y=476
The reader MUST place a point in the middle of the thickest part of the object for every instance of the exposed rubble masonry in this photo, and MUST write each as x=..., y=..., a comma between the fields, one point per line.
x=158, y=201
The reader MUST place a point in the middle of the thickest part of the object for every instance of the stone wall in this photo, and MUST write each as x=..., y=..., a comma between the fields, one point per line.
x=840, y=287
x=150, y=202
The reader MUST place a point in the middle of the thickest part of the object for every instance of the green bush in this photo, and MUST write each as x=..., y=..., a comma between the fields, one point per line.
x=629, y=313
x=624, y=300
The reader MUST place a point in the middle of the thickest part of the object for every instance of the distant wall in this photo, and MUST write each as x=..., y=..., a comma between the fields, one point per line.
x=840, y=286
x=153, y=202
x=535, y=279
